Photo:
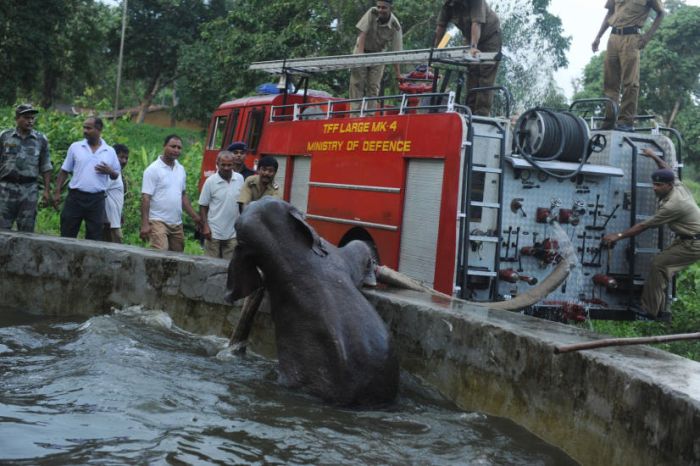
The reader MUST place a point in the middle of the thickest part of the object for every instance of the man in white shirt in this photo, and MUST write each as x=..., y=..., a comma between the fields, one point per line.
x=218, y=207
x=163, y=197
x=114, y=202
x=93, y=163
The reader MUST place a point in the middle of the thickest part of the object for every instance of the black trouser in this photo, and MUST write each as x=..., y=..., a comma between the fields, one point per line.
x=81, y=206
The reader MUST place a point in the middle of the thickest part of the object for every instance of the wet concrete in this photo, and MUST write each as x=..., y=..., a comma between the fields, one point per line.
x=616, y=406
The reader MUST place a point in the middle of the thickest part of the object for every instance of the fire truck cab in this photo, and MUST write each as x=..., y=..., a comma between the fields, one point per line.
x=476, y=207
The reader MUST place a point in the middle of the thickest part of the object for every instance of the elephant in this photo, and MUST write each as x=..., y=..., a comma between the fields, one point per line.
x=330, y=340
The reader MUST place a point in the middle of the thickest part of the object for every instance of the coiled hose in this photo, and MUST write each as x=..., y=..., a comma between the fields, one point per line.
x=544, y=135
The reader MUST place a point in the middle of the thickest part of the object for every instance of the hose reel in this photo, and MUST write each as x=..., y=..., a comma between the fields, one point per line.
x=545, y=135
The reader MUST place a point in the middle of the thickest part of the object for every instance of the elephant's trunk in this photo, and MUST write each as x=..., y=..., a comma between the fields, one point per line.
x=532, y=296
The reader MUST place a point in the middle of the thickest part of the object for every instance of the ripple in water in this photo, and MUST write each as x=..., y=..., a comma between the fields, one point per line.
x=131, y=388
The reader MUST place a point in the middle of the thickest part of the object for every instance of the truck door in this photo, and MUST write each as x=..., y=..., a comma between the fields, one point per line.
x=221, y=131
x=255, y=120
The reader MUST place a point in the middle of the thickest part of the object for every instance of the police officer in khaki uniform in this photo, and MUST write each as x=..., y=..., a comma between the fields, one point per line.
x=678, y=210
x=626, y=18
x=262, y=184
x=24, y=154
x=379, y=30
x=482, y=28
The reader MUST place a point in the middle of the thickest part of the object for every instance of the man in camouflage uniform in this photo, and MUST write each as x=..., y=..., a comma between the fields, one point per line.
x=24, y=154
x=379, y=29
x=482, y=28
x=626, y=18
x=262, y=184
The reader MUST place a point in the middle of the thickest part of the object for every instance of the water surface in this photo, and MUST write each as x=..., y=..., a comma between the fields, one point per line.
x=131, y=388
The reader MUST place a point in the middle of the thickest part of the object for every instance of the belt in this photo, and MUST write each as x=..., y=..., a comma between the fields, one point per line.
x=626, y=31
x=689, y=237
x=19, y=179
x=86, y=193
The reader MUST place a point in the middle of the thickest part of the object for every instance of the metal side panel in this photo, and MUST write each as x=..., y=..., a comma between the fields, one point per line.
x=299, y=195
x=421, y=219
x=281, y=172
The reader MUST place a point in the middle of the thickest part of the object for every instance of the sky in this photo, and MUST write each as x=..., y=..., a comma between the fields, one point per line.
x=581, y=20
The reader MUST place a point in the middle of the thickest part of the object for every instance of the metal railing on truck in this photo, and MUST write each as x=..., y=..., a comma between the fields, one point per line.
x=400, y=104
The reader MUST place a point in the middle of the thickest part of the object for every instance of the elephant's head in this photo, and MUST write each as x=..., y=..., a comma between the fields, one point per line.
x=269, y=232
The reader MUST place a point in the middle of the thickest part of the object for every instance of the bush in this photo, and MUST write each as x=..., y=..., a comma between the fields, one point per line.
x=145, y=143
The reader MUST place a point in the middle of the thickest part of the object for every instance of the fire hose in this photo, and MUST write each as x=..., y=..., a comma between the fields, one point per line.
x=534, y=295
x=544, y=135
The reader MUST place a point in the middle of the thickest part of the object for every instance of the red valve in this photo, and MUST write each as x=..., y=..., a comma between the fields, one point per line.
x=605, y=281
x=511, y=276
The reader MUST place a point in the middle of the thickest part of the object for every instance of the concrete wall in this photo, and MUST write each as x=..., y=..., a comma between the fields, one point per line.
x=617, y=406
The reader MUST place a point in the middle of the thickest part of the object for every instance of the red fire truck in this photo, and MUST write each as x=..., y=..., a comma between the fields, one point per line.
x=442, y=195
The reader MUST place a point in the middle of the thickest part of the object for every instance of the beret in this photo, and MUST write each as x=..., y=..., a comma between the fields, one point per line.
x=237, y=145
x=663, y=175
x=23, y=109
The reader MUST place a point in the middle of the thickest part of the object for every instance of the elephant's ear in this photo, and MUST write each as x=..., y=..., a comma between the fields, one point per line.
x=317, y=245
x=243, y=276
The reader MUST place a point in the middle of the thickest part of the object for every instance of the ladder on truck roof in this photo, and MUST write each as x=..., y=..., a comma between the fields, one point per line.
x=455, y=56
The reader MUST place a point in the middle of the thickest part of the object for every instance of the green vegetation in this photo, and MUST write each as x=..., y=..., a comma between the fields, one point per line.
x=686, y=319
x=145, y=143
x=196, y=52
x=669, y=76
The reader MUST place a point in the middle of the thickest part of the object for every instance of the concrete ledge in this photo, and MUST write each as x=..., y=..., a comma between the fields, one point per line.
x=617, y=406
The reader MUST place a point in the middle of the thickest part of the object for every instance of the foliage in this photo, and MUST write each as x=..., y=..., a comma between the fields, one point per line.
x=213, y=69
x=145, y=143
x=50, y=47
x=686, y=318
x=670, y=76
x=671, y=70
x=156, y=31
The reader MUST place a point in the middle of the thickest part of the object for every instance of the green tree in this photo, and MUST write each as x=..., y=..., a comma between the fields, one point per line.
x=671, y=68
x=215, y=67
x=48, y=47
x=670, y=76
x=156, y=31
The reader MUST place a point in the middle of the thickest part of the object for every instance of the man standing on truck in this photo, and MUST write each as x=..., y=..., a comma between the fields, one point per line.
x=262, y=184
x=626, y=18
x=24, y=154
x=239, y=150
x=218, y=208
x=379, y=30
x=678, y=210
x=163, y=197
x=482, y=28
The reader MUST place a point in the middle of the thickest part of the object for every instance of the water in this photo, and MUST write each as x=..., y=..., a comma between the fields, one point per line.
x=131, y=388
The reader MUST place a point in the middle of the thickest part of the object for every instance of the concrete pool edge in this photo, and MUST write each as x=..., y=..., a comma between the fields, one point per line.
x=634, y=405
